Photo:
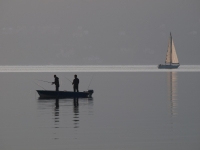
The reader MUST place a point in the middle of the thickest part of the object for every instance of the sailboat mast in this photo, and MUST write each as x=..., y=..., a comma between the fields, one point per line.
x=170, y=48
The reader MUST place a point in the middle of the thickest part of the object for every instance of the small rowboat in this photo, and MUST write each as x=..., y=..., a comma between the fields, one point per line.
x=64, y=94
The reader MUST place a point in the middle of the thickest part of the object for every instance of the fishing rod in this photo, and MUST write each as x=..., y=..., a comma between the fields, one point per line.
x=68, y=79
x=45, y=81
x=39, y=86
x=90, y=82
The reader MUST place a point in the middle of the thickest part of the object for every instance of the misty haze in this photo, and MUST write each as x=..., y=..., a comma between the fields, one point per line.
x=97, y=74
x=97, y=32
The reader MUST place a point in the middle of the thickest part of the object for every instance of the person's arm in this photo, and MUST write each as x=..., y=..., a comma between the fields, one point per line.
x=54, y=81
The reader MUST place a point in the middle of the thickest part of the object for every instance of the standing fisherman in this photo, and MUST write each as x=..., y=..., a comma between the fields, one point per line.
x=75, y=83
x=56, y=82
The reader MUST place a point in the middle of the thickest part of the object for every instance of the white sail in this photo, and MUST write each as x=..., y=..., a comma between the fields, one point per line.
x=171, y=52
x=174, y=55
x=168, y=56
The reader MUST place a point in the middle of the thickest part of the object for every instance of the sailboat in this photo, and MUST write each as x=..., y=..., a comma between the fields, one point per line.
x=171, y=61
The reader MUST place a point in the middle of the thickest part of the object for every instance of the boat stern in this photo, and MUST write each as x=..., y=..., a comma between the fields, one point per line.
x=90, y=93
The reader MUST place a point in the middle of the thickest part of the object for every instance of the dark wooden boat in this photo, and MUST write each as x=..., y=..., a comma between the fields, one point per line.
x=64, y=94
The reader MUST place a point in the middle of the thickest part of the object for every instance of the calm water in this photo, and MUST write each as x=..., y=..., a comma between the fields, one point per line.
x=129, y=111
x=111, y=68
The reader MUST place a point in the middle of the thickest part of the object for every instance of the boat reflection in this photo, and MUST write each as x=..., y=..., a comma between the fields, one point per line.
x=172, y=84
x=65, y=113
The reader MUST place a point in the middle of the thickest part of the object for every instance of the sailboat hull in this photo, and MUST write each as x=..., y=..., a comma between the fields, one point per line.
x=172, y=66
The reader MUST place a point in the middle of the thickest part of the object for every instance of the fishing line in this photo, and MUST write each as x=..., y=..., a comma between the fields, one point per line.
x=40, y=86
x=44, y=81
x=68, y=79
x=90, y=82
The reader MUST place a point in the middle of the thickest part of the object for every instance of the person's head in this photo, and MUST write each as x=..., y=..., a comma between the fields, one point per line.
x=54, y=76
x=75, y=76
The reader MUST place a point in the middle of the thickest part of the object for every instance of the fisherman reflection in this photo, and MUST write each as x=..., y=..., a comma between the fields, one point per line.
x=56, y=113
x=57, y=103
x=56, y=117
x=76, y=112
x=76, y=102
x=75, y=83
x=56, y=82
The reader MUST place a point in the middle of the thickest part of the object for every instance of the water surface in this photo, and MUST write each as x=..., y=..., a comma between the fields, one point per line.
x=97, y=68
x=129, y=110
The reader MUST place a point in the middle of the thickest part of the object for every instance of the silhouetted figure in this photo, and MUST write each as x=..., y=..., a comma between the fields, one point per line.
x=75, y=83
x=56, y=82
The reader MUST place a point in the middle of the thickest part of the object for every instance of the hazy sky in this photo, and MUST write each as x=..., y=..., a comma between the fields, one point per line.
x=98, y=32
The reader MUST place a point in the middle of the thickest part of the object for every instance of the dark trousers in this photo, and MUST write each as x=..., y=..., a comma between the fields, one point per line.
x=57, y=88
x=76, y=88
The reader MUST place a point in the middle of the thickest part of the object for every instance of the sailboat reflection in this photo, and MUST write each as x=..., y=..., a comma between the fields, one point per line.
x=76, y=112
x=172, y=84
